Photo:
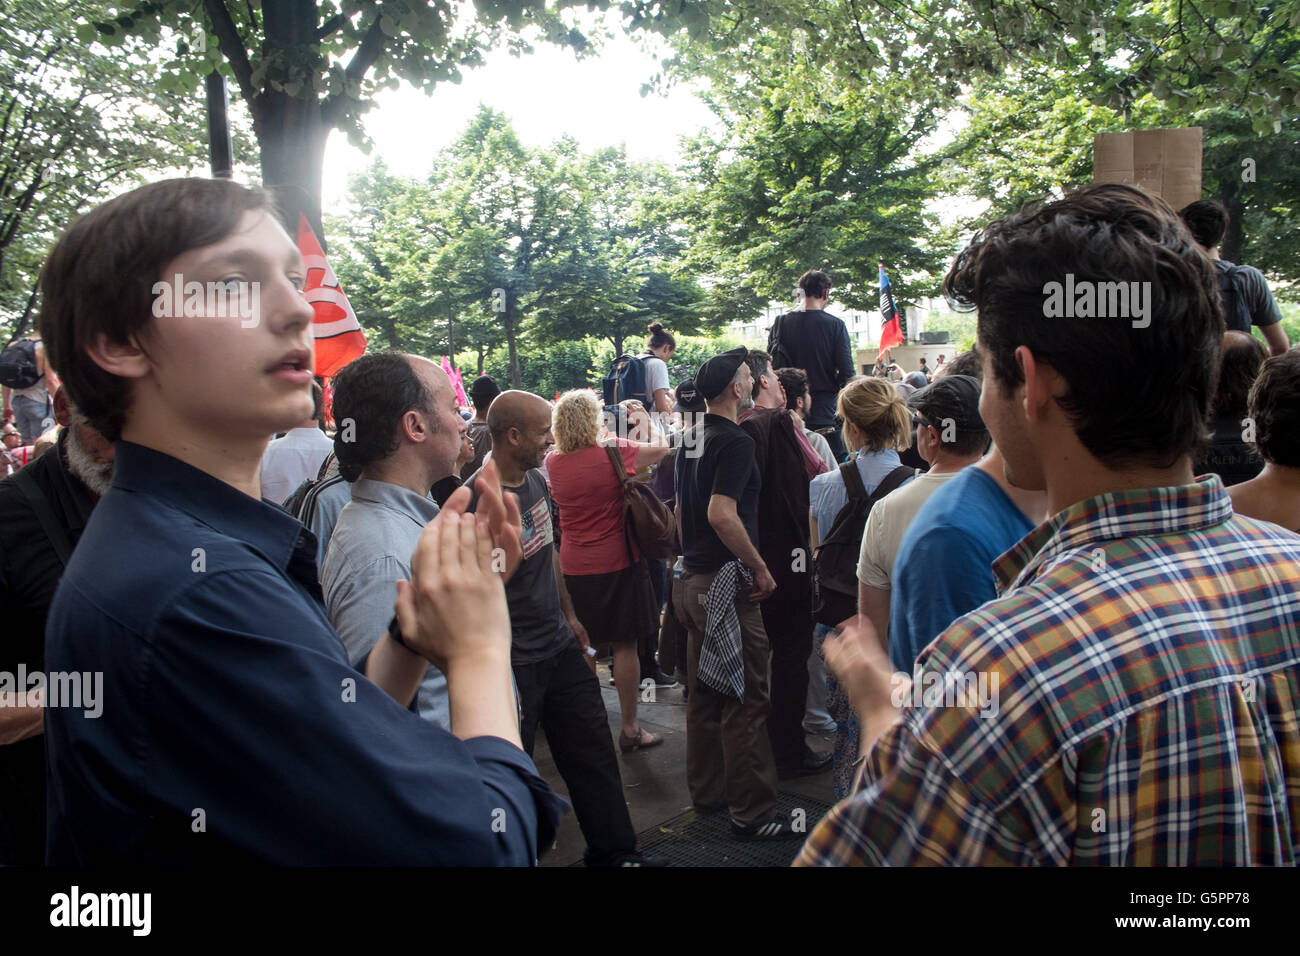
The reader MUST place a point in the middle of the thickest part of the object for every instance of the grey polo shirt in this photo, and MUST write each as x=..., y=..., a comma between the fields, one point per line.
x=369, y=552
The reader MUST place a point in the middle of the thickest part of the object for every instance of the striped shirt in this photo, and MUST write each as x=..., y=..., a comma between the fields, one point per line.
x=1142, y=664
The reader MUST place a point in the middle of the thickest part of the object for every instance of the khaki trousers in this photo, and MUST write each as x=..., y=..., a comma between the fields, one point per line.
x=728, y=753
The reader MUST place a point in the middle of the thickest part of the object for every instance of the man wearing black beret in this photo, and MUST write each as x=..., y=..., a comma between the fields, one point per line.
x=729, y=761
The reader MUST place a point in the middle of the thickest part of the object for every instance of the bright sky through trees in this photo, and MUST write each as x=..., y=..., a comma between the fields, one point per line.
x=547, y=94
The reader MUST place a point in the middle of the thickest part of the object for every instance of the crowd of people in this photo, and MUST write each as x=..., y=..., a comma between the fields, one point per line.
x=1043, y=594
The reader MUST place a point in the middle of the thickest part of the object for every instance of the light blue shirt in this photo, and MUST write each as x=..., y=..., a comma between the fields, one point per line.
x=369, y=552
x=827, y=495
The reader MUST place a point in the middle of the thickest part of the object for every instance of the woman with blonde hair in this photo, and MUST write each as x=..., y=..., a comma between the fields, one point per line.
x=877, y=426
x=604, y=572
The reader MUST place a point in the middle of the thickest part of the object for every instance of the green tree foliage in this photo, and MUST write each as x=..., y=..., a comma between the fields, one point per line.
x=505, y=243
x=75, y=125
x=305, y=68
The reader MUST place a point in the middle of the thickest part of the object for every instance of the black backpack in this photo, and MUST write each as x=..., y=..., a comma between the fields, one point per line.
x=627, y=379
x=1236, y=313
x=302, y=503
x=781, y=357
x=835, y=560
x=18, y=364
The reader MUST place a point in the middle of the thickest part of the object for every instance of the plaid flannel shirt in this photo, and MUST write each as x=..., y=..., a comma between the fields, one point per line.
x=1145, y=651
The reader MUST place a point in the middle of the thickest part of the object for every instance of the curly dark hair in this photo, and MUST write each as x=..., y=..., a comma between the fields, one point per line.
x=371, y=394
x=966, y=363
x=1242, y=356
x=815, y=284
x=1134, y=395
x=795, y=383
x=1274, y=405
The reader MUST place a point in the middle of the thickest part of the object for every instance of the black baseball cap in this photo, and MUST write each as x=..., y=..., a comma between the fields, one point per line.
x=689, y=398
x=955, y=397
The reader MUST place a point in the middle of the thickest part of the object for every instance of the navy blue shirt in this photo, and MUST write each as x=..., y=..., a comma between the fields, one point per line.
x=232, y=726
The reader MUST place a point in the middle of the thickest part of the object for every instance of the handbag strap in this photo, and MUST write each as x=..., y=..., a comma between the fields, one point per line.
x=45, y=515
x=616, y=459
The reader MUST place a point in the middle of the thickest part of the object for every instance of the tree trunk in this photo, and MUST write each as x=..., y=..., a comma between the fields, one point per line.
x=515, y=380
x=618, y=344
x=480, y=359
x=1230, y=247
x=289, y=129
x=451, y=339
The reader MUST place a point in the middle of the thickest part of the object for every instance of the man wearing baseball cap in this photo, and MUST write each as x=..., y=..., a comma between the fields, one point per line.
x=729, y=763
x=950, y=435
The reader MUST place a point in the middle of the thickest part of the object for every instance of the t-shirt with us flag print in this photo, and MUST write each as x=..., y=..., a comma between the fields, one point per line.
x=538, y=628
x=1146, y=650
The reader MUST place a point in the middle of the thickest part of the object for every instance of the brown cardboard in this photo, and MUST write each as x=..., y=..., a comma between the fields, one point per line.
x=1164, y=162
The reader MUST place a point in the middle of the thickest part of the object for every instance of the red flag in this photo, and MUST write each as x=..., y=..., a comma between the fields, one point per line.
x=339, y=338
x=891, y=329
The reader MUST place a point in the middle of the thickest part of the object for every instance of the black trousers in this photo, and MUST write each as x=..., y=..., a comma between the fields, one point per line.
x=562, y=694
x=658, y=571
x=789, y=625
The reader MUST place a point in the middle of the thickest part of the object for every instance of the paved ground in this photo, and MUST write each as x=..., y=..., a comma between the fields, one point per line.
x=654, y=781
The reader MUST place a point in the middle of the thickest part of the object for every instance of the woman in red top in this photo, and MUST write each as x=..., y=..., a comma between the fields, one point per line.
x=604, y=571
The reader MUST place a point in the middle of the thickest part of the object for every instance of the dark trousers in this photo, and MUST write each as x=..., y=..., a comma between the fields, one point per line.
x=728, y=755
x=672, y=632
x=562, y=694
x=657, y=569
x=789, y=625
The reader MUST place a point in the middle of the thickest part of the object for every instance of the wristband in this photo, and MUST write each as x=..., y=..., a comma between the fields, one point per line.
x=395, y=632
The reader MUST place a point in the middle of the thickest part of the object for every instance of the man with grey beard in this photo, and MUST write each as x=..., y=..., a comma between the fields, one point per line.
x=43, y=510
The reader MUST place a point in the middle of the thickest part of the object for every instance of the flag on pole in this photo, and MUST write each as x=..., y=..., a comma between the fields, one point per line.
x=893, y=327
x=338, y=334
x=455, y=381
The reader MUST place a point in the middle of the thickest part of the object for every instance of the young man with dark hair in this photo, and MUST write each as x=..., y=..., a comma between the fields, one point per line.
x=798, y=399
x=1274, y=418
x=1207, y=220
x=482, y=392
x=812, y=339
x=1129, y=696
x=404, y=407
x=949, y=437
x=1229, y=455
x=233, y=728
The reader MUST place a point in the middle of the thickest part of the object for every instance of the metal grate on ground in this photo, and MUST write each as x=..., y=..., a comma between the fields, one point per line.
x=694, y=838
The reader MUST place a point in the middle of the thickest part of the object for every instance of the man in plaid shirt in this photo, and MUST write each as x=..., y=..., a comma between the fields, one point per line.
x=1130, y=695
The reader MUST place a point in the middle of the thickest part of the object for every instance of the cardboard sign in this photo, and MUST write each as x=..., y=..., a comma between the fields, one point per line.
x=1164, y=162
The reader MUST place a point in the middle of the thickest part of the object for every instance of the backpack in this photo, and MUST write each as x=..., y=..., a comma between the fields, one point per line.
x=627, y=379
x=781, y=357
x=302, y=503
x=18, y=364
x=1236, y=313
x=835, y=560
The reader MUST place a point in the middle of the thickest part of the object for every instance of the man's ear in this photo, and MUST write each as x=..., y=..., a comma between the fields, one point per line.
x=62, y=410
x=413, y=426
x=1042, y=384
x=126, y=360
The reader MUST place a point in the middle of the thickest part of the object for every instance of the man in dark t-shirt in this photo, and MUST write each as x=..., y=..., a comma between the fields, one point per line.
x=557, y=689
x=729, y=759
x=1207, y=220
x=817, y=342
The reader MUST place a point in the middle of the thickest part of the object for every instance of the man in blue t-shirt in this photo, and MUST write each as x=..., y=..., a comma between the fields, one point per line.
x=944, y=564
